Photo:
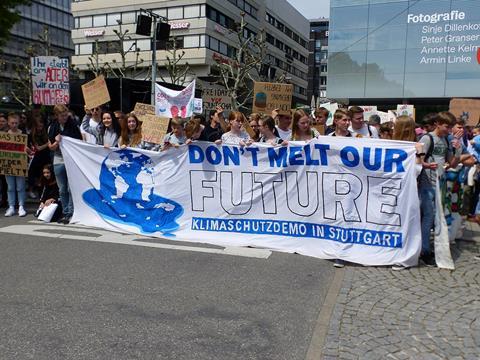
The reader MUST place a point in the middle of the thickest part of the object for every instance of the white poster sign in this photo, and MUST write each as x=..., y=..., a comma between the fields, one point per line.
x=352, y=199
x=172, y=103
x=50, y=80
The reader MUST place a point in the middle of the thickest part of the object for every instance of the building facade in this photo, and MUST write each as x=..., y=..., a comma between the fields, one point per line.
x=201, y=29
x=54, y=15
x=317, y=59
x=404, y=49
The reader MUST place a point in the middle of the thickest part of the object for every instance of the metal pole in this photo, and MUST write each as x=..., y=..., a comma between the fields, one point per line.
x=154, y=60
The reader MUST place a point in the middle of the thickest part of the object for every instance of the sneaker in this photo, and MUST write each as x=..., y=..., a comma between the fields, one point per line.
x=64, y=220
x=32, y=195
x=398, y=267
x=21, y=211
x=429, y=260
x=10, y=211
x=339, y=263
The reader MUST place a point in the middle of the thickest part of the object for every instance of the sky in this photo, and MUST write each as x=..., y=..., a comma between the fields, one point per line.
x=312, y=9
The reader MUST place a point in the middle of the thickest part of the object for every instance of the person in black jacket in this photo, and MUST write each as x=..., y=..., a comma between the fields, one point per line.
x=50, y=193
x=62, y=126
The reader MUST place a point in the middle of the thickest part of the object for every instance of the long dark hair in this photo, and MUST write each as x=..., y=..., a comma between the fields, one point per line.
x=52, y=180
x=115, y=124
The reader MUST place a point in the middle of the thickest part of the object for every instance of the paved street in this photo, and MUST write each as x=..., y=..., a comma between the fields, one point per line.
x=73, y=293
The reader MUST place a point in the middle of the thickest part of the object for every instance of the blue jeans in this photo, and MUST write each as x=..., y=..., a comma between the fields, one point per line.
x=15, y=185
x=65, y=196
x=427, y=210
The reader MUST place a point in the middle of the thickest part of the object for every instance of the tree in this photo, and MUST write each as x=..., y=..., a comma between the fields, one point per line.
x=116, y=69
x=8, y=17
x=177, y=71
x=237, y=74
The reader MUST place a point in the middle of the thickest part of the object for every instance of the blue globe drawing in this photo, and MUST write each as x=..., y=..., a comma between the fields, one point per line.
x=126, y=194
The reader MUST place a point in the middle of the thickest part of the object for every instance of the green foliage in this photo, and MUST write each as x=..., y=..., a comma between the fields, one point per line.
x=9, y=16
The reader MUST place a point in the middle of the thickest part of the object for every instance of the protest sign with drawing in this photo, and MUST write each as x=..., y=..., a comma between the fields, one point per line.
x=50, y=80
x=404, y=109
x=95, y=92
x=271, y=96
x=466, y=109
x=368, y=111
x=13, y=156
x=172, y=103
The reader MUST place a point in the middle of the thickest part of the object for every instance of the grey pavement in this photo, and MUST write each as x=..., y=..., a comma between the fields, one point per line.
x=419, y=313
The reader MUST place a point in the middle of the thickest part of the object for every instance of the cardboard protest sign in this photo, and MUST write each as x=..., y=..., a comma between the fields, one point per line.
x=95, y=92
x=50, y=80
x=141, y=109
x=404, y=109
x=213, y=97
x=154, y=128
x=13, y=158
x=197, y=106
x=466, y=109
x=271, y=96
x=368, y=111
x=172, y=103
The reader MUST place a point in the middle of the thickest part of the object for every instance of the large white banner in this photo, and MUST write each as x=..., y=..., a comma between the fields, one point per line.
x=172, y=103
x=353, y=199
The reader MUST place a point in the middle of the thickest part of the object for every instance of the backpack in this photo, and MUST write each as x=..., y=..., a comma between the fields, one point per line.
x=429, y=151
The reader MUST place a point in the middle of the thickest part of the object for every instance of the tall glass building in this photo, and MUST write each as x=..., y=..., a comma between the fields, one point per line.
x=380, y=49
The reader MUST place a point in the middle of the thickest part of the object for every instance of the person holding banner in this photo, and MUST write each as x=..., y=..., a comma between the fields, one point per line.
x=267, y=132
x=237, y=135
x=216, y=127
x=283, y=124
x=177, y=136
x=341, y=120
x=253, y=121
x=301, y=129
x=93, y=117
x=358, y=127
x=63, y=126
x=131, y=134
x=193, y=130
x=15, y=184
x=107, y=132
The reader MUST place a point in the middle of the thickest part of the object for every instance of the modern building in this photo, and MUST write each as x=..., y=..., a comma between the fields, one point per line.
x=404, y=50
x=201, y=29
x=53, y=14
x=317, y=59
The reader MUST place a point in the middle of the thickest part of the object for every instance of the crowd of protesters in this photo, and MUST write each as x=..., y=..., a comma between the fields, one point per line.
x=448, y=151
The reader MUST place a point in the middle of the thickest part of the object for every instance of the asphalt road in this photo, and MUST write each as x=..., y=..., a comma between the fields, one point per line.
x=72, y=299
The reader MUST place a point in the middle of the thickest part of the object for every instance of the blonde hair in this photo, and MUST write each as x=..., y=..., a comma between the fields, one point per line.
x=297, y=115
x=404, y=129
x=60, y=108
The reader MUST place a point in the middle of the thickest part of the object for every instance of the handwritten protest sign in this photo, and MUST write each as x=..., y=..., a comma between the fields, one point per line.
x=466, y=109
x=213, y=97
x=270, y=96
x=50, y=80
x=141, y=109
x=95, y=92
x=154, y=128
x=173, y=103
x=368, y=111
x=404, y=109
x=13, y=158
x=197, y=106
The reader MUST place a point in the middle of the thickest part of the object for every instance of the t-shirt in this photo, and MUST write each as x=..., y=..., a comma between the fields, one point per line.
x=232, y=139
x=211, y=134
x=364, y=131
x=285, y=135
x=440, y=153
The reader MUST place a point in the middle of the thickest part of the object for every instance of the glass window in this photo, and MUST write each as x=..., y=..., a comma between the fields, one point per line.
x=175, y=13
x=161, y=12
x=144, y=44
x=99, y=20
x=86, y=22
x=129, y=18
x=202, y=40
x=129, y=45
x=223, y=48
x=191, y=41
x=191, y=11
x=112, y=19
x=77, y=23
x=85, y=49
x=202, y=10
x=213, y=44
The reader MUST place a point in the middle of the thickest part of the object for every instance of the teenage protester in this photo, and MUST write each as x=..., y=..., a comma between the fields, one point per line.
x=438, y=154
x=341, y=122
x=374, y=120
x=385, y=132
x=50, y=193
x=358, y=127
x=3, y=122
x=193, y=130
x=253, y=120
x=15, y=184
x=301, y=129
x=131, y=134
x=41, y=153
x=176, y=137
x=107, y=132
x=284, y=121
x=237, y=135
x=93, y=117
x=62, y=126
x=216, y=127
x=267, y=132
